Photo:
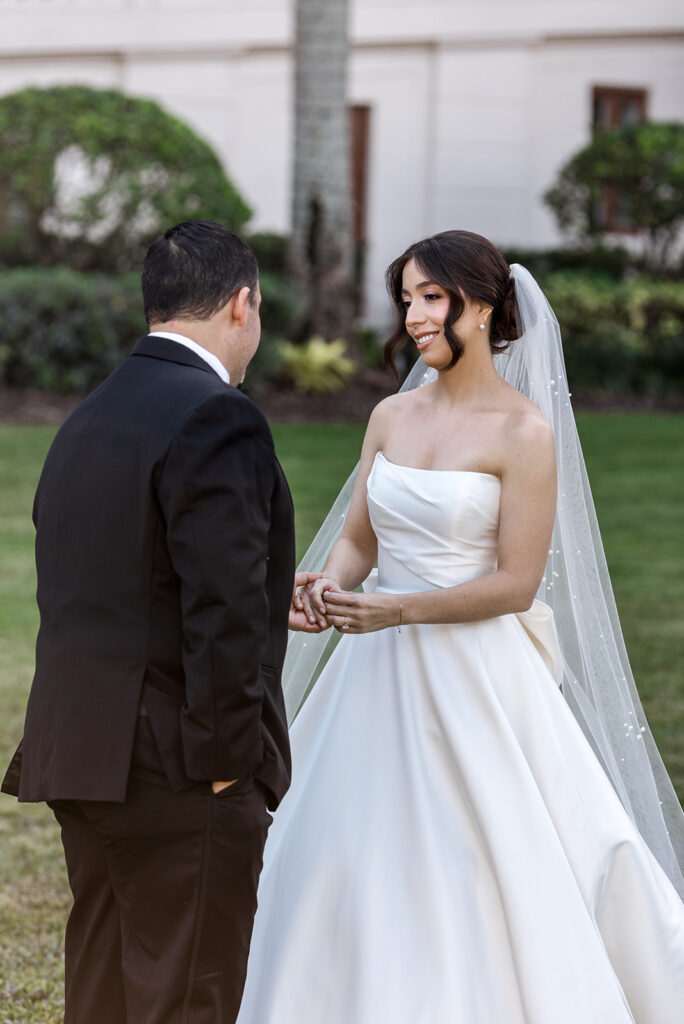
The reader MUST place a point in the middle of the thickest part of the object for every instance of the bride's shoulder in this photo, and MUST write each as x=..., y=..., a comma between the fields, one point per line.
x=389, y=409
x=521, y=413
x=396, y=404
x=526, y=428
x=384, y=416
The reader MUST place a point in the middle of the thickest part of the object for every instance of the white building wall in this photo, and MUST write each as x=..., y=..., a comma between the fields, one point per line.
x=484, y=126
x=474, y=105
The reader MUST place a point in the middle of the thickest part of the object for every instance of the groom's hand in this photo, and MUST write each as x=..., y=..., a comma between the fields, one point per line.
x=216, y=787
x=299, y=618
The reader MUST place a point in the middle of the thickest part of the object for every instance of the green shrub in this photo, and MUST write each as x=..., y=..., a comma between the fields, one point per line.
x=280, y=304
x=625, y=338
x=318, y=366
x=611, y=262
x=369, y=344
x=64, y=330
x=88, y=177
x=644, y=163
x=270, y=250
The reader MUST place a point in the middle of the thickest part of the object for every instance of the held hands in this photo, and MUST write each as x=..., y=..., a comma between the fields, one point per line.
x=308, y=613
x=301, y=616
x=319, y=602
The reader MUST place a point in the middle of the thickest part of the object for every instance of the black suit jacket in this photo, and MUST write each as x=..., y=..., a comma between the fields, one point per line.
x=165, y=561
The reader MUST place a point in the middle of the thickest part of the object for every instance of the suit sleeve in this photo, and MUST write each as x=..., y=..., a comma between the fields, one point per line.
x=215, y=493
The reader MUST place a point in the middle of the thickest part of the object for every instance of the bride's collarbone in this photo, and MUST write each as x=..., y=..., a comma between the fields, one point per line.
x=438, y=446
x=423, y=436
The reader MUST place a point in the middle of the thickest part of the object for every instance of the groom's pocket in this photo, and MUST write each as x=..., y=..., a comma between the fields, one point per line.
x=146, y=762
x=163, y=713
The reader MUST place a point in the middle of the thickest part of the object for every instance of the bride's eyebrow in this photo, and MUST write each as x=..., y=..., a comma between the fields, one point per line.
x=423, y=284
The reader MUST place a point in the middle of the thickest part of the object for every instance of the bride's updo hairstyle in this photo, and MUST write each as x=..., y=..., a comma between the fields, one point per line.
x=463, y=264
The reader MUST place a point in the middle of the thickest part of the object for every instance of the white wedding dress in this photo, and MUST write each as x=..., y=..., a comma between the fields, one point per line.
x=451, y=850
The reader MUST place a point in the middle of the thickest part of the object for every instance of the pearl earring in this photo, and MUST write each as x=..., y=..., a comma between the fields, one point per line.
x=482, y=327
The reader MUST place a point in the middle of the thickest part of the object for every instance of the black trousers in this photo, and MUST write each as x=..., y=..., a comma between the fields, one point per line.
x=164, y=889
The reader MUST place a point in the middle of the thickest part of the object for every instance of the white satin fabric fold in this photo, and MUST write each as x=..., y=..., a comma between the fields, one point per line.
x=451, y=849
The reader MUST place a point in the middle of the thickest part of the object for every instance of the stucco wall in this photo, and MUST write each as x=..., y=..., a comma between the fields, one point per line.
x=474, y=106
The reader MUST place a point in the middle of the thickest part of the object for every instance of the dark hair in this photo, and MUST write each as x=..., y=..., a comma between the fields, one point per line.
x=193, y=269
x=463, y=264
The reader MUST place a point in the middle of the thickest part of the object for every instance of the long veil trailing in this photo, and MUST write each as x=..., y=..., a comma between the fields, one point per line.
x=598, y=683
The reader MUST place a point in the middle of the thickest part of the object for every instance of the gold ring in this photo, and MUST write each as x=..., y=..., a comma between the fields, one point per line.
x=345, y=624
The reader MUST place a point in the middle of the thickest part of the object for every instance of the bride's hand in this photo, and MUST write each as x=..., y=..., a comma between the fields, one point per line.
x=300, y=619
x=362, y=613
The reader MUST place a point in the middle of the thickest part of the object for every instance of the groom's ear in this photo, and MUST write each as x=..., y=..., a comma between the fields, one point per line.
x=237, y=304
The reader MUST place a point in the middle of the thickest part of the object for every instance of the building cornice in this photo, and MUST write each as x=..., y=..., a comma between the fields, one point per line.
x=137, y=28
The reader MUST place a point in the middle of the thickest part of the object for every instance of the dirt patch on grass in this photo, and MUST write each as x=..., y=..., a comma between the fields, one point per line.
x=26, y=406
x=280, y=405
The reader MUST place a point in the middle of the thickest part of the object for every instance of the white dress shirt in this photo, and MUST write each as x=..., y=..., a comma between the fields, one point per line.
x=199, y=350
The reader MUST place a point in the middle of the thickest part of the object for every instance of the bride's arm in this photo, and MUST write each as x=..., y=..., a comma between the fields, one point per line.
x=354, y=553
x=528, y=503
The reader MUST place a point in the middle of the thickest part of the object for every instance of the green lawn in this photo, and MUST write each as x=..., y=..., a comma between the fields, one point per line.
x=636, y=466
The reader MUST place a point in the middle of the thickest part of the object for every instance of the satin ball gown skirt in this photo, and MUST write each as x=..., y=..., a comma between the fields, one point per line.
x=451, y=850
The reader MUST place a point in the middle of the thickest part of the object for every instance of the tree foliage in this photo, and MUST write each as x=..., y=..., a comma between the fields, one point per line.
x=644, y=164
x=89, y=177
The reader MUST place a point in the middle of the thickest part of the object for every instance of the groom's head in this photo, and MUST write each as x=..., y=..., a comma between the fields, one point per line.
x=201, y=280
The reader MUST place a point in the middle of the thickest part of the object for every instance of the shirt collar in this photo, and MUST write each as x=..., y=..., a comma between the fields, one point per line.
x=199, y=350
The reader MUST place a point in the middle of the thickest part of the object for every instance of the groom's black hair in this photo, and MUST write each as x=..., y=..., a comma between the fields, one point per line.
x=193, y=269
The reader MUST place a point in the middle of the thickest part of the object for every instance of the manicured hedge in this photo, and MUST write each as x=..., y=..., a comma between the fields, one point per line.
x=63, y=330
x=626, y=337
x=145, y=169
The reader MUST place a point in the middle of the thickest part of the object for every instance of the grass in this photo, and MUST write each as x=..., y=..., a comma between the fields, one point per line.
x=635, y=464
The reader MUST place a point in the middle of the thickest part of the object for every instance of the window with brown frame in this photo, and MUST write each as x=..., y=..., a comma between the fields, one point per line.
x=612, y=107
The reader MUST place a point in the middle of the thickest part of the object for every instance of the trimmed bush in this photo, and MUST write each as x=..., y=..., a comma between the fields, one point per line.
x=65, y=331
x=270, y=250
x=88, y=177
x=624, y=338
x=611, y=262
x=62, y=330
x=644, y=163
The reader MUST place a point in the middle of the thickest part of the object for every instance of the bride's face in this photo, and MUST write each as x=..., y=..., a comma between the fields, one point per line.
x=427, y=310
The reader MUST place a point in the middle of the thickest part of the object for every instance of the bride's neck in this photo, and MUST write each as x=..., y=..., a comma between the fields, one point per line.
x=472, y=376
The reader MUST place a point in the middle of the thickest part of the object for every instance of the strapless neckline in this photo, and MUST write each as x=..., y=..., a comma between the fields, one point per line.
x=418, y=469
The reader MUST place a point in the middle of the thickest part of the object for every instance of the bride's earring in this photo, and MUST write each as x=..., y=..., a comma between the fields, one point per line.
x=482, y=327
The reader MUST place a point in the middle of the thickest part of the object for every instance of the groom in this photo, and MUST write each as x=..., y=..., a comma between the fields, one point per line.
x=155, y=726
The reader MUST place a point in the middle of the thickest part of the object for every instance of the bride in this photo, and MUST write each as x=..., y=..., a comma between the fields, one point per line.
x=453, y=847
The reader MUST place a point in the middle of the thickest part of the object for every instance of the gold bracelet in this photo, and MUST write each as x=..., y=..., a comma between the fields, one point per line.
x=401, y=611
